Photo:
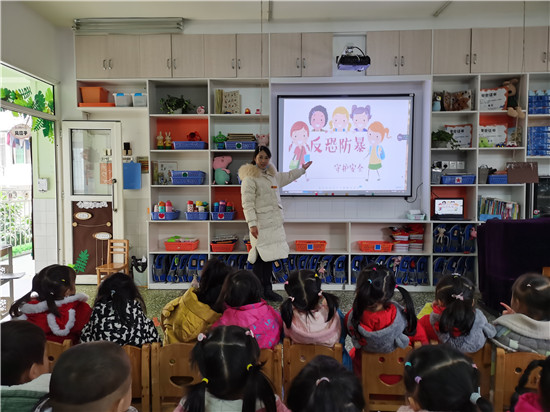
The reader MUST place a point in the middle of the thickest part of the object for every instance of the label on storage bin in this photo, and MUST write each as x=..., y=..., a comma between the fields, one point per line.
x=377, y=247
x=310, y=247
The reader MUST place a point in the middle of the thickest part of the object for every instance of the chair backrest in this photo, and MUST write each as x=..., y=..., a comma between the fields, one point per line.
x=482, y=359
x=273, y=367
x=6, y=263
x=140, y=360
x=118, y=247
x=382, y=379
x=171, y=372
x=509, y=368
x=546, y=271
x=296, y=356
x=54, y=351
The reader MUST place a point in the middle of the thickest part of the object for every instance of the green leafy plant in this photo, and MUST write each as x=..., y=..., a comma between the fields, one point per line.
x=174, y=103
x=442, y=138
x=80, y=265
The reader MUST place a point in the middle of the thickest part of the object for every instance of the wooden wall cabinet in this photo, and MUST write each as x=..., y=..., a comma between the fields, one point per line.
x=188, y=55
x=451, y=51
x=301, y=54
x=230, y=55
x=537, y=49
x=399, y=52
x=490, y=50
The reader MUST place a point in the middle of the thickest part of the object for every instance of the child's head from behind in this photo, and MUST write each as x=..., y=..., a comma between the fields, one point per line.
x=304, y=293
x=23, y=352
x=544, y=383
x=456, y=294
x=212, y=277
x=52, y=283
x=440, y=378
x=324, y=384
x=228, y=361
x=531, y=296
x=119, y=289
x=92, y=376
x=240, y=288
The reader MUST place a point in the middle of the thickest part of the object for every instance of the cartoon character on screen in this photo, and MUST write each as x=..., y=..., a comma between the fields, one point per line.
x=318, y=118
x=375, y=135
x=340, y=120
x=360, y=117
x=299, y=133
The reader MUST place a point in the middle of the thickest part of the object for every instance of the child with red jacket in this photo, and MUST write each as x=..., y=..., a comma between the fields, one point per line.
x=53, y=304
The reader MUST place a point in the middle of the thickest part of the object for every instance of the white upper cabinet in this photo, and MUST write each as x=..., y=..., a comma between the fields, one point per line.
x=490, y=48
x=451, y=51
x=301, y=54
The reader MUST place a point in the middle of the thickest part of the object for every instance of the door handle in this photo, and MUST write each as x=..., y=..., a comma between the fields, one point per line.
x=233, y=63
x=110, y=67
x=104, y=63
x=304, y=62
x=174, y=64
x=298, y=63
x=113, y=182
x=239, y=64
x=475, y=58
x=468, y=59
x=544, y=57
x=395, y=61
x=402, y=61
x=168, y=63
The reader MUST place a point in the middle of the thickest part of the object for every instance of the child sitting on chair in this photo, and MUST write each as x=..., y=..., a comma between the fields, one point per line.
x=25, y=366
x=455, y=319
x=241, y=303
x=325, y=385
x=186, y=316
x=440, y=378
x=376, y=323
x=525, y=325
x=538, y=401
x=118, y=314
x=94, y=376
x=53, y=305
x=228, y=361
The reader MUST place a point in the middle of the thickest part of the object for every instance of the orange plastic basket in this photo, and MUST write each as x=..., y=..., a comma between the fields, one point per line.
x=311, y=245
x=175, y=246
x=374, y=246
x=222, y=247
x=248, y=247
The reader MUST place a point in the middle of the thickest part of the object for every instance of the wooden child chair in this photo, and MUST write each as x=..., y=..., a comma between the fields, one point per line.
x=54, y=351
x=509, y=368
x=171, y=372
x=273, y=367
x=140, y=360
x=115, y=248
x=482, y=359
x=296, y=356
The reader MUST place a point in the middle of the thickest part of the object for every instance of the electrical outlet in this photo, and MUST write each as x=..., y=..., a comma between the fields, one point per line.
x=452, y=164
x=461, y=165
x=445, y=164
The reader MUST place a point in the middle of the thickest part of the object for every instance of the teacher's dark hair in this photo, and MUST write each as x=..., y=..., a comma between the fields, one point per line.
x=261, y=149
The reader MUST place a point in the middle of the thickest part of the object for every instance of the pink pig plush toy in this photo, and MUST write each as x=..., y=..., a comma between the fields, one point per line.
x=222, y=175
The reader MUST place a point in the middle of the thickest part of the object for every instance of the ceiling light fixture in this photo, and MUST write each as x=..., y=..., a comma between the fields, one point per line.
x=350, y=61
x=128, y=25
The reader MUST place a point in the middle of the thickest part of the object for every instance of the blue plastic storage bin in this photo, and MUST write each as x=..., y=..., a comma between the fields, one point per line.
x=248, y=145
x=197, y=215
x=165, y=215
x=194, y=145
x=187, y=177
x=497, y=179
x=458, y=179
x=222, y=215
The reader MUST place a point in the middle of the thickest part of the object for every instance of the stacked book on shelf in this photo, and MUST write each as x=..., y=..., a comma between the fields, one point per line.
x=490, y=208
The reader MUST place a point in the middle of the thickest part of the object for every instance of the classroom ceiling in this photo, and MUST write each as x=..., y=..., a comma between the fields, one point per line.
x=62, y=13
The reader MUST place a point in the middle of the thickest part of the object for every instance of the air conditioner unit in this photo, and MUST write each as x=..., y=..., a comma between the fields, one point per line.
x=351, y=61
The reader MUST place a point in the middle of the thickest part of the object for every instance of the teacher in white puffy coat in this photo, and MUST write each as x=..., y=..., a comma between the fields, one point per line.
x=263, y=212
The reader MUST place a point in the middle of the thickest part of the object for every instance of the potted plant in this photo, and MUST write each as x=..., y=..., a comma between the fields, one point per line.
x=175, y=105
x=442, y=139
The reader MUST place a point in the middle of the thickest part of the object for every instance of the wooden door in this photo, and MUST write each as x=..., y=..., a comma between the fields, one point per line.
x=451, y=51
x=188, y=55
x=415, y=52
x=490, y=48
x=252, y=55
x=91, y=57
x=317, y=57
x=383, y=50
x=123, y=56
x=285, y=55
x=155, y=55
x=220, y=55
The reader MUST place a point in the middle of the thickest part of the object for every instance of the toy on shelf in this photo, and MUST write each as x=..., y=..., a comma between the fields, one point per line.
x=201, y=110
x=513, y=107
x=222, y=175
x=194, y=137
x=168, y=141
x=263, y=139
x=258, y=111
x=160, y=141
x=247, y=111
x=219, y=140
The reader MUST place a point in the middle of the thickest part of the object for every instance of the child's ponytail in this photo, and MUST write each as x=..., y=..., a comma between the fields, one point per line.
x=409, y=312
x=332, y=303
x=457, y=295
x=196, y=396
x=258, y=387
x=287, y=312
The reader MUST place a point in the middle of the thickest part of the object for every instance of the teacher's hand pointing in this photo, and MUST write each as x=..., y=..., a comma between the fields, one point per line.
x=306, y=165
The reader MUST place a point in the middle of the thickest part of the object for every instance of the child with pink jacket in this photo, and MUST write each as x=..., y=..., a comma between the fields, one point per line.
x=242, y=305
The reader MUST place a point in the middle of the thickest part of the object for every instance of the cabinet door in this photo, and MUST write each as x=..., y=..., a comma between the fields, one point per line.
x=252, y=55
x=451, y=51
x=317, y=55
x=536, y=49
x=123, y=55
x=155, y=55
x=220, y=51
x=91, y=57
x=383, y=50
x=490, y=50
x=187, y=55
x=415, y=52
x=285, y=55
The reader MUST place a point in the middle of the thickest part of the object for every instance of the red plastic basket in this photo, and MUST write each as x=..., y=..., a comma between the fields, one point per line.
x=374, y=246
x=248, y=247
x=222, y=247
x=175, y=246
x=311, y=245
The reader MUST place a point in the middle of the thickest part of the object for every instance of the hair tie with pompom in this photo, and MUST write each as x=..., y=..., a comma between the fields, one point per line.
x=460, y=296
x=320, y=293
x=291, y=298
x=249, y=333
x=205, y=380
x=370, y=280
x=417, y=379
x=286, y=282
x=201, y=336
x=474, y=397
x=34, y=295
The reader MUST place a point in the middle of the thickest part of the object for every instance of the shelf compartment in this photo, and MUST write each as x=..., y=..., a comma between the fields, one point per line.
x=335, y=234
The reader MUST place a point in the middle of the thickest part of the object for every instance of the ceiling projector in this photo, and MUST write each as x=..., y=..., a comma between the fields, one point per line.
x=350, y=61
